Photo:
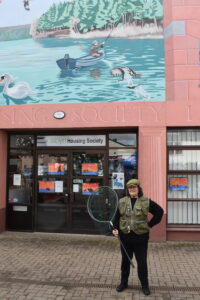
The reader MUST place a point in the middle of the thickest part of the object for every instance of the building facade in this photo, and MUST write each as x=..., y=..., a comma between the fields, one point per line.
x=52, y=154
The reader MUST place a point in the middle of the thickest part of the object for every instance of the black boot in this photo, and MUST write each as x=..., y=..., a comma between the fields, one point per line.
x=146, y=290
x=122, y=286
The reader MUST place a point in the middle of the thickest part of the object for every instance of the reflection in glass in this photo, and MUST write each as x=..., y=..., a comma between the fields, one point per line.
x=122, y=161
x=184, y=212
x=20, y=167
x=50, y=164
x=122, y=140
x=21, y=141
x=184, y=160
x=52, y=196
x=183, y=137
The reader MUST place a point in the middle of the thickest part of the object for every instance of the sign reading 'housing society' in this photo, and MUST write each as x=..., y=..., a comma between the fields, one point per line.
x=71, y=140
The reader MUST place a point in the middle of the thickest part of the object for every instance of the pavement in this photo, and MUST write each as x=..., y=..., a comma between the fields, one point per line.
x=42, y=266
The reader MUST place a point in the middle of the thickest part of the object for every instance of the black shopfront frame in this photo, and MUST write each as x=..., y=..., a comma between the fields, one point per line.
x=24, y=216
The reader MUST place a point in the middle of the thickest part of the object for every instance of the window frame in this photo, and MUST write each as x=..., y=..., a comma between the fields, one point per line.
x=181, y=172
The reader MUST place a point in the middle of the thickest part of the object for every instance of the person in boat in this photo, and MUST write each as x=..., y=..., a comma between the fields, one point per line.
x=94, y=51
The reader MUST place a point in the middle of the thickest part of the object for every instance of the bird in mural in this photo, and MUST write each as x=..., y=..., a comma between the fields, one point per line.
x=26, y=4
x=126, y=74
x=12, y=79
x=19, y=91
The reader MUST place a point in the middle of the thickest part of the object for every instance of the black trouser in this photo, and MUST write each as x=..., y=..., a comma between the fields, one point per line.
x=139, y=248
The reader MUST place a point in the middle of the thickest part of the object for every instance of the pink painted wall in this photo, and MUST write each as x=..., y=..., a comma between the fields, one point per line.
x=182, y=51
x=182, y=108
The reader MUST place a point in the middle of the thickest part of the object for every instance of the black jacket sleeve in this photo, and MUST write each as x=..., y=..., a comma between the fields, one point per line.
x=157, y=212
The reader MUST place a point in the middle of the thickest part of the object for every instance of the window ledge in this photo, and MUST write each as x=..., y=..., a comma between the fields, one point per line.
x=183, y=229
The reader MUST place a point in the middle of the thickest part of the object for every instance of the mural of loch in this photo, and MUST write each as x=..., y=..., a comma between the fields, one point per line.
x=78, y=51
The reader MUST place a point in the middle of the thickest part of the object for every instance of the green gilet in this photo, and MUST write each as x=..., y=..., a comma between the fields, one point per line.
x=134, y=219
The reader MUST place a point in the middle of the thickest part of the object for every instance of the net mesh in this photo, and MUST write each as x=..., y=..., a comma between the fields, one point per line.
x=102, y=205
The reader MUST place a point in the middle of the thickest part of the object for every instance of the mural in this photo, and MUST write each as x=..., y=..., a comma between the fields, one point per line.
x=79, y=51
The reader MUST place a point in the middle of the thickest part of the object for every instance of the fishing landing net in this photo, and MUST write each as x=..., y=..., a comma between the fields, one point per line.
x=102, y=206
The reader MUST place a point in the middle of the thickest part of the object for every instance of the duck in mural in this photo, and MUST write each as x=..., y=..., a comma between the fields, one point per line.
x=19, y=91
x=126, y=74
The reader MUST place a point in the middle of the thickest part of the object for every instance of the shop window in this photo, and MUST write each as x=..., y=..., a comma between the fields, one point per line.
x=20, y=176
x=184, y=177
x=122, y=160
x=21, y=141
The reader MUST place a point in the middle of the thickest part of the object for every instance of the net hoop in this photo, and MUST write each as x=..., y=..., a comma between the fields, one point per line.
x=114, y=211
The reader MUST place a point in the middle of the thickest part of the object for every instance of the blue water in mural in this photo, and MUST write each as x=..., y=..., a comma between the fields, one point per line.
x=34, y=61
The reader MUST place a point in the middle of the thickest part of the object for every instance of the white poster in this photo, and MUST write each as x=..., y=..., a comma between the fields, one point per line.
x=17, y=178
x=118, y=181
x=58, y=186
x=75, y=188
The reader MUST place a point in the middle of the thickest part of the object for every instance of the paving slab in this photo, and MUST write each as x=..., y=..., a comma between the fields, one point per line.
x=42, y=266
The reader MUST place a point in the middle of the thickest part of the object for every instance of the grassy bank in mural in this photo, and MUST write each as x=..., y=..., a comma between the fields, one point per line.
x=84, y=51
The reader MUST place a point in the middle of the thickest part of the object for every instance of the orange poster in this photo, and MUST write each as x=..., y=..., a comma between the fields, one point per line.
x=89, y=169
x=89, y=188
x=178, y=183
x=56, y=169
x=46, y=187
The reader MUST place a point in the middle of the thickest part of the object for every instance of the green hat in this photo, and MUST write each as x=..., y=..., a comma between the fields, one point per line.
x=133, y=182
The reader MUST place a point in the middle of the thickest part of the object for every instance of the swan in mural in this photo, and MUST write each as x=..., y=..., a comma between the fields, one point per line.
x=19, y=91
x=12, y=79
x=126, y=74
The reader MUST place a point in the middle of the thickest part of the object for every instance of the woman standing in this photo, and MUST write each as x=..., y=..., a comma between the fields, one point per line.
x=132, y=225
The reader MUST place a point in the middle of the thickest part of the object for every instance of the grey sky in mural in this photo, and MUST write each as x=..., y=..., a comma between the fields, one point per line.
x=81, y=51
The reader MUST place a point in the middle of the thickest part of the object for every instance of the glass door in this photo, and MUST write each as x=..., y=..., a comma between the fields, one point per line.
x=65, y=180
x=88, y=175
x=53, y=191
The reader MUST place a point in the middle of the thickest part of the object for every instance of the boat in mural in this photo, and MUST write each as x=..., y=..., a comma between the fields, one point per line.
x=68, y=63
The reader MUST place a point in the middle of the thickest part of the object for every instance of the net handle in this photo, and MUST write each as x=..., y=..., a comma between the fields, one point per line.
x=131, y=262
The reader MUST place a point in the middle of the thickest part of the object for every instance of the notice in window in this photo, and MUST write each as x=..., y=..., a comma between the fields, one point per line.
x=59, y=186
x=46, y=187
x=90, y=188
x=118, y=181
x=89, y=169
x=17, y=179
x=178, y=183
x=75, y=188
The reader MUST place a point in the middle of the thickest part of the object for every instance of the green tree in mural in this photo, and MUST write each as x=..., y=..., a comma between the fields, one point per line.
x=88, y=15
